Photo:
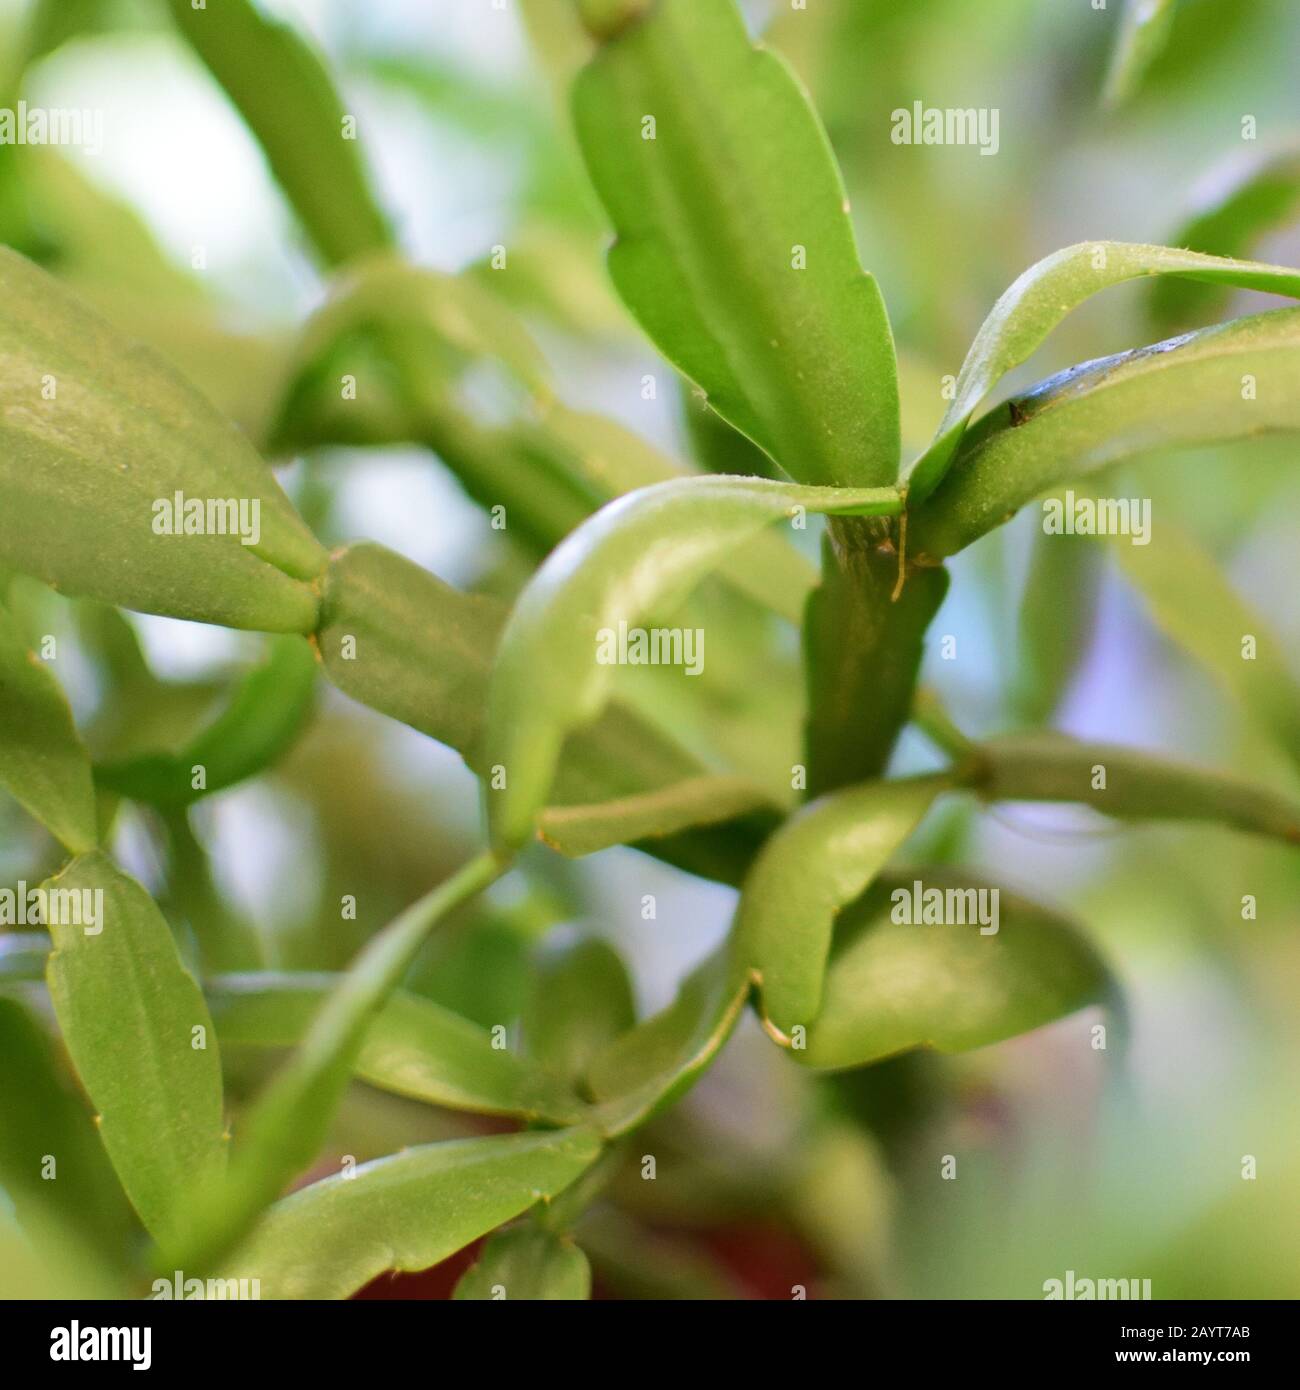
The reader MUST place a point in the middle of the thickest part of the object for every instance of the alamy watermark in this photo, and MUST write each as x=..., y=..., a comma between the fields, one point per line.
x=1100, y=1290
x=52, y=907
x=1098, y=516
x=77, y=1343
x=920, y=124
x=178, y=1287
x=52, y=125
x=179, y=515
x=654, y=646
x=953, y=907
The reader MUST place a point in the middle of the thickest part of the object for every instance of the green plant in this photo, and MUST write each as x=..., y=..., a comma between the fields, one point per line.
x=736, y=254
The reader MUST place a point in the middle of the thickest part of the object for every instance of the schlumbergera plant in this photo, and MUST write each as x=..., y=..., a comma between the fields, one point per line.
x=123, y=487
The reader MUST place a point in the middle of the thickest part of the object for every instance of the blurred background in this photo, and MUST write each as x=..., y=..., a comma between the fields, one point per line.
x=767, y=1176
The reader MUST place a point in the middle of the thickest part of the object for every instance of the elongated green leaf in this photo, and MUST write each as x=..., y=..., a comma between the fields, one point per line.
x=637, y=556
x=400, y=640
x=42, y=761
x=818, y=862
x=1144, y=31
x=1129, y=784
x=265, y=715
x=529, y=1263
x=1058, y=610
x=405, y=1212
x=1193, y=602
x=1229, y=382
x=99, y=440
x=288, y=1122
x=49, y=1150
x=735, y=250
x=281, y=89
x=895, y=982
x=412, y=1047
x=1027, y=312
x=140, y=1036
x=421, y=652
x=577, y=830
x=648, y=1068
x=1237, y=204
x=615, y=461
x=580, y=1000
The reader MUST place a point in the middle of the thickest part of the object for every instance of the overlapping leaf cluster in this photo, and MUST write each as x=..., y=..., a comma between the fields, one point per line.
x=735, y=252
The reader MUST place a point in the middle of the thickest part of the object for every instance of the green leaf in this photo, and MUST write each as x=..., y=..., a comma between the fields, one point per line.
x=819, y=861
x=1144, y=31
x=49, y=1258
x=405, y=1212
x=614, y=461
x=1193, y=603
x=714, y=444
x=139, y=1033
x=637, y=556
x=398, y=639
x=1138, y=785
x=580, y=1000
x=1238, y=204
x=43, y=1119
x=1058, y=610
x=648, y=1068
x=527, y=1262
x=1188, y=390
x=896, y=985
x=412, y=1047
x=265, y=715
x=281, y=89
x=42, y=761
x=584, y=828
x=1026, y=314
x=98, y=436
x=422, y=652
x=736, y=188
x=285, y=1127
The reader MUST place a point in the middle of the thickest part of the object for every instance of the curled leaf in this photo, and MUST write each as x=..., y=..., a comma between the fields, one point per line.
x=637, y=556
x=1027, y=312
x=818, y=862
x=1224, y=383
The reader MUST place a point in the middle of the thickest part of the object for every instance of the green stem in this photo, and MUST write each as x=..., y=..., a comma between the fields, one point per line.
x=862, y=652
